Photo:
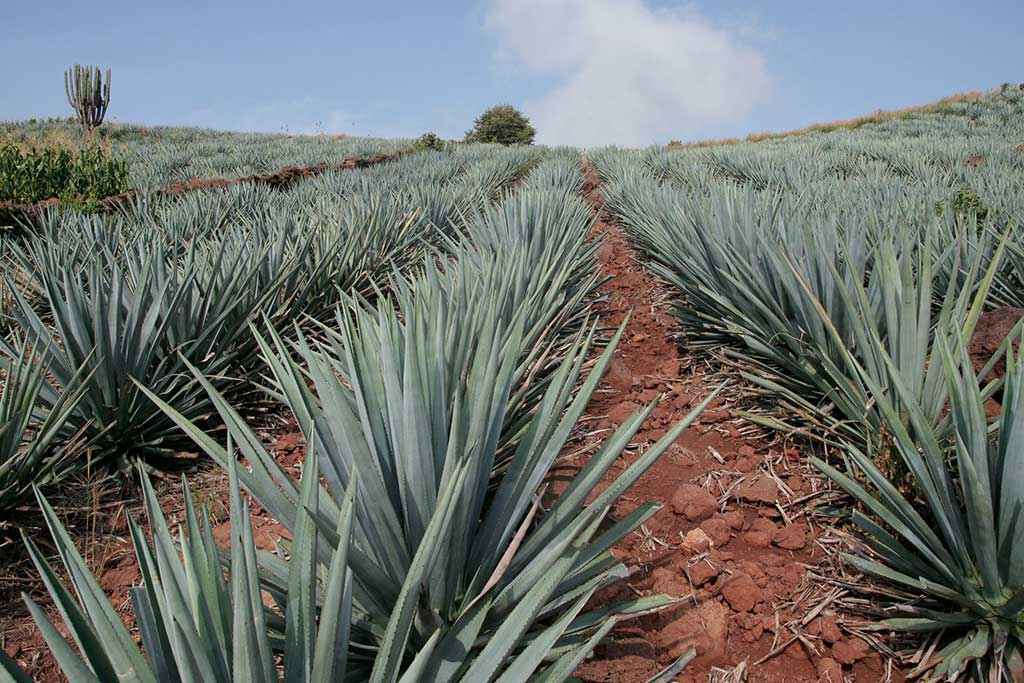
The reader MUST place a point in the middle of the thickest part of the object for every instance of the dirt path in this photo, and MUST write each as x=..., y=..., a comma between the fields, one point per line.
x=729, y=541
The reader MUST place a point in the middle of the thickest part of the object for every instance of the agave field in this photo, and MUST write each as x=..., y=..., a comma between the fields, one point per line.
x=451, y=336
x=160, y=156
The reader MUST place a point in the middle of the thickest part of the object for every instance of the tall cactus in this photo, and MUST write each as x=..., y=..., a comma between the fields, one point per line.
x=88, y=94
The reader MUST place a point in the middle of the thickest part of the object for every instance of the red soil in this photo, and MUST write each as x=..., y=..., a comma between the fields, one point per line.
x=729, y=542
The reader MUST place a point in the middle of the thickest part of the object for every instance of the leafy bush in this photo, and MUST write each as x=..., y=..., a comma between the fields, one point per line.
x=430, y=141
x=503, y=124
x=965, y=202
x=77, y=177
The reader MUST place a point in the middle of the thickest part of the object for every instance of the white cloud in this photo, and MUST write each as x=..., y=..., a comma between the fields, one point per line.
x=624, y=72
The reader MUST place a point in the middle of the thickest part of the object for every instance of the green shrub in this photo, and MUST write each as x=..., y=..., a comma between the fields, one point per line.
x=430, y=141
x=965, y=203
x=503, y=124
x=77, y=177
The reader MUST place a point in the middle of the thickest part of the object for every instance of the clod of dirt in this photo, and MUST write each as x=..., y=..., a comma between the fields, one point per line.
x=621, y=668
x=742, y=592
x=736, y=519
x=702, y=572
x=718, y=530
x=710, y=417
x=694, y=502
x=758, y=539
x=619, y=378
x=790, y=537
x=850, y=651
x=760, y=490
x=829, y=670
x=621, y=412
x=671, y=368
x=669, y=582
x=697, y=541
x=829, y=629
x=704, y=627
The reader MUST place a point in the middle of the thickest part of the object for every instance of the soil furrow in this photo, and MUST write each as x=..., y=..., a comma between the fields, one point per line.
x=727, y=542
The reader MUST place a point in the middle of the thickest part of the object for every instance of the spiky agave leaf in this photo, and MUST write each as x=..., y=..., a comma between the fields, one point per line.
x=114, y=320
x=963, y=552
x=38, y=444
x=199, y=611
x=440, y=544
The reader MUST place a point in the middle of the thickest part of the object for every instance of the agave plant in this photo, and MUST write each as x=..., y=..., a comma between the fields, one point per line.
x=200, y=616
x=961, y=558
x=115, y=319
x=413, y=405
x=876, y=323
x=38, y=445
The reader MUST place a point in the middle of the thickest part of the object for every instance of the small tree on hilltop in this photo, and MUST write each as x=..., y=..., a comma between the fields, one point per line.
x=503, y=124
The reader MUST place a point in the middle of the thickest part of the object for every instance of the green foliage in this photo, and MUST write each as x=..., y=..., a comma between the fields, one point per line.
x=966, y=203
x=963, y=552
x=78, y=178
x=38, y=443
x=504, y=125
x=844, y=273
x=88, y=94
x=420, y=550
x=200, y=615
x=429, y=141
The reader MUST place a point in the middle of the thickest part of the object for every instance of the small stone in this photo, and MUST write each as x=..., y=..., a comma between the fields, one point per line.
x=747, y=451
x=710, y=417
x=735, y=518
x=829, y=670
x=830, y=632
x=702, y=572
x=694, y=502
x=790, y=537
x=697, y=541
x=758, y=539
x=850, y=651
x=718, y=530
x=760, y=490
x=742, y=593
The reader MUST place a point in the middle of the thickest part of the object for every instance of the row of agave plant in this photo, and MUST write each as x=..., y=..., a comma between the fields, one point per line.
x=99, y=303
x=420, y=549
x=849, y=308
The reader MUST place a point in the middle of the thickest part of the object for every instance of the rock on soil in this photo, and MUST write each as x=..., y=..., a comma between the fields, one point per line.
x=694, y=502
x=742, y=592
x=760, y=490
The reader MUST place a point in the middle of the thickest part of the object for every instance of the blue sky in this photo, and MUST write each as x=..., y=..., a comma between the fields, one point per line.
x=587, y=71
